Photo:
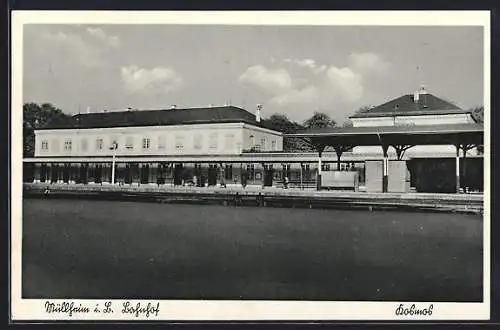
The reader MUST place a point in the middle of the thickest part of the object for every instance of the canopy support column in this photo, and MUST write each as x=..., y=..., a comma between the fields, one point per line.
x=457, y=169
x=320, y=148
x=339, y=150
x=301, y=166
x=401, y=149
x=385, y=178
x=385, y=164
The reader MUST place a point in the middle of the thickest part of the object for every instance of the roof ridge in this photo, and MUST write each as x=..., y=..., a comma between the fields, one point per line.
x=407, y=105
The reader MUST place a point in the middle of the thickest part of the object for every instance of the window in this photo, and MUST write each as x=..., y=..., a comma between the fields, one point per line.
x=251, y=172
x=198, y=141
x=228, y=141
x=179, y=142
x=252, y=141
x=67, y=145
x=161, y=143
x=213, y=141
x=45, y=145
x=99, y=144
x=146, y=143
x=273, y=145
x=263, y=143
x=306, y=171
x=129, y=142
x=84, y=145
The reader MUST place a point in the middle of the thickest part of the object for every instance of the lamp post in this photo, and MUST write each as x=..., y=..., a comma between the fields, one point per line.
x=113, y=147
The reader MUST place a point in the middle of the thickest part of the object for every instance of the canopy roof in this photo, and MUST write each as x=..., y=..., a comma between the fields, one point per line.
x=400, y=135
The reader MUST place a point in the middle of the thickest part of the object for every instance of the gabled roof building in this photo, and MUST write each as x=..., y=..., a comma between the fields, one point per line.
x=420, y=108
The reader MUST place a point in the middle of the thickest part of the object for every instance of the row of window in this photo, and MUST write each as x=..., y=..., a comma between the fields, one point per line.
x=263, y=143
x=146, y=143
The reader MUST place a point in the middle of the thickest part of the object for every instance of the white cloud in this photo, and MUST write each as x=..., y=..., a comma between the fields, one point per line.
x=81, y=47
x=307, y=63
x=345, y=83
x=273, y=81
x=72, y=46
x=368, y=63
x=333, y=84
x=305, y=82
x=97, y=32
x=112, y=41
x=305, y=95
x=155, y=80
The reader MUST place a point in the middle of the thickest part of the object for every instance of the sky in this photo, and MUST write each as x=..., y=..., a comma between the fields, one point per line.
x=292, y=70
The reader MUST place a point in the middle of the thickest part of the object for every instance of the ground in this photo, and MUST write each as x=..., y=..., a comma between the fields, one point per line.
x=101, y=249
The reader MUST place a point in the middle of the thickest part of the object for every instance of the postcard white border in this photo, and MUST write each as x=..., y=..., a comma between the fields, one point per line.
x=198, y=310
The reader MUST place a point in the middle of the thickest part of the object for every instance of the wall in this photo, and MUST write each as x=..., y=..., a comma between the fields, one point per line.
x=252, y=137
x=416, y=151
x=200, y=139
x=462, y=118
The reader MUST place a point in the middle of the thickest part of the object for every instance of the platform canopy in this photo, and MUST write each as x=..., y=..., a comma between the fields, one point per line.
x=454, y=134
x=463, y=136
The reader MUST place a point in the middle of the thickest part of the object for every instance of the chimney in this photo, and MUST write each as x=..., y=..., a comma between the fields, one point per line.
x=416, y=97
x=88, y=109
x=258, y=113
x=173, y=106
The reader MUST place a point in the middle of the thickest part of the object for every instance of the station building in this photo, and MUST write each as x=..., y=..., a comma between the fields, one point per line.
x=225, y=145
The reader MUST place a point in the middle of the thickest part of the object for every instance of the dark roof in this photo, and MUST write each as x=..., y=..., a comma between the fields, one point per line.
x=403, y=129
x=403, y=135
x=427, y=104
x=163, y=117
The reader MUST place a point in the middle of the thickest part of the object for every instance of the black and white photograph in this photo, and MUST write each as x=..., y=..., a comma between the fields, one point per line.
x=250, y=166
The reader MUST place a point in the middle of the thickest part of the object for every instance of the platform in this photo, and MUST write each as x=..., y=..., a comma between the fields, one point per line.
x=258, y=196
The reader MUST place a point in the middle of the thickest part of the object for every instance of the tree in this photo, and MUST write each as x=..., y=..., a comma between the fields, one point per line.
x=319, y=120
x=347, y=123
x=36, y=116
x=364, y=109
x=281, y=123
x=478, y=114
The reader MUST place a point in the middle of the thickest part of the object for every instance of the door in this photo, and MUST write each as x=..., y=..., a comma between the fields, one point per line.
x=43, y=173
x=268, y=175
x=54, y=173
x=160, y=177
x=128, y=174
x=212, y=175
x=145, y=174
x=98, y=174
x=178, y=170
x=84, y=173
x=66, y=173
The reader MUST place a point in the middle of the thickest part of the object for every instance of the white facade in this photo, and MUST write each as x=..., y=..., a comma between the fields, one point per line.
x=461, y=118
x=193, y=139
